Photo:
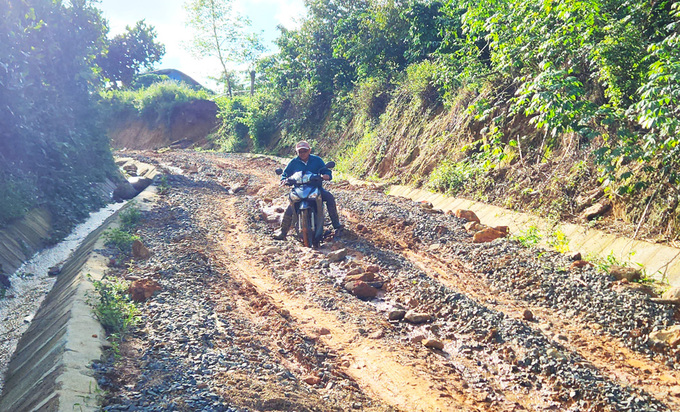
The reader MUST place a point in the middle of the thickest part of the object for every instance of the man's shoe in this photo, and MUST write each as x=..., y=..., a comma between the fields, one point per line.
x=339, y=231
x=280, y=235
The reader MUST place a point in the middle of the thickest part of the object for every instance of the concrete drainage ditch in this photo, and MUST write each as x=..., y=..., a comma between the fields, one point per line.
x=50, y=368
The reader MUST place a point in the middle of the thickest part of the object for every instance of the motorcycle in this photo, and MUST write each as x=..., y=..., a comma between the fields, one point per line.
x=308, y=207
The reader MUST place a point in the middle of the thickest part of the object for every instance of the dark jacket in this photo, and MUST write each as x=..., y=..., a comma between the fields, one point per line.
x=314, y=165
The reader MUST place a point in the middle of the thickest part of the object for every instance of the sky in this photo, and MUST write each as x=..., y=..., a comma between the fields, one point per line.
x=169, y=19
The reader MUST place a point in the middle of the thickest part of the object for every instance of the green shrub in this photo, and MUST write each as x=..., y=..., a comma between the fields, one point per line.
x=113, y=307
x=371, y=97
x=15, y=201
x=233, y=133
x=431, y=82
x=120, y=239
x=454, y=177
x=130, y=217
x=154, y=104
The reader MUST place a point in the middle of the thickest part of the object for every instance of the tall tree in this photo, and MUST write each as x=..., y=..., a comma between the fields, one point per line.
x=129, y=52
x=220, y=32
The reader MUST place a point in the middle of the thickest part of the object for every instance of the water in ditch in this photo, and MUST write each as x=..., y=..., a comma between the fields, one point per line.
x=30, y=284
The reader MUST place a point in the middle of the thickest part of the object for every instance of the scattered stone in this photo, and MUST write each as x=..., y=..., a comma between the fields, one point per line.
x=365, y=277
x=579, y=264
x=555, y=354
x=311, y=380
x=272, y=250
x=337, y=256
x=595, y=210
x=378, y=334
x=622, y=272
x=418, y=339
x=527, y=315
x=427, y=205
x=396, y=314
x=139, y=251
x=417, y=318
x=324, y=331
x=670, y=336
x=573, y=256
x=433, y=343
x=362, y=290
x=467, y=215
x=373, y=269
x=441, y=230
x=434, y=247
x=143, y=289
x=54, y=271
x=355, y=271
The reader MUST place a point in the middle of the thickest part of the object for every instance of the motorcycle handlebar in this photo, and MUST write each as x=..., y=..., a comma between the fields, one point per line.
x=314, y=179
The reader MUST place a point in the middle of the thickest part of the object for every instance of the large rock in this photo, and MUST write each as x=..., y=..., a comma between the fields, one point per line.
x=124, y=191
x=139, y=183
x=487, y=235
x=622, y=272
x=467, y=215
x=143, y=289
x=361, y=289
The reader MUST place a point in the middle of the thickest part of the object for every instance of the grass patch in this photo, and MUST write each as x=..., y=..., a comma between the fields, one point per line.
x=529, y=237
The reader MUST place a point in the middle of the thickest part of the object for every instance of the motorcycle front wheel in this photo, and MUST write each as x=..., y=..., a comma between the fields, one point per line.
x=306, y=227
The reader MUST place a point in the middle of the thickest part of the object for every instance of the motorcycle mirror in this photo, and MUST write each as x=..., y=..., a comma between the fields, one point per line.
x=330, y=164
x=278, y=171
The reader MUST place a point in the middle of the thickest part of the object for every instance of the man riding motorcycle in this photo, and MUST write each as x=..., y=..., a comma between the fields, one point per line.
x=307, y=162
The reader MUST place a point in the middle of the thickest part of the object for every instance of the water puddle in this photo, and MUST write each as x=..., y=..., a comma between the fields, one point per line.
x=30, y=284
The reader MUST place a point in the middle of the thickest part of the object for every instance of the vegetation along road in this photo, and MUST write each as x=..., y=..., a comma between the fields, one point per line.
x=402, y=313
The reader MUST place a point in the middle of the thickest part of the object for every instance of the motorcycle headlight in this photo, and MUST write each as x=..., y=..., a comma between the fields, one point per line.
x=294, y=197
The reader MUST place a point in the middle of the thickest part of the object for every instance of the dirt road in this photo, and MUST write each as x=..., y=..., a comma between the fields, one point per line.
x=244, y=322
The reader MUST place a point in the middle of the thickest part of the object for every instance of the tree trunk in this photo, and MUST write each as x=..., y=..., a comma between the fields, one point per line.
x=229, y=87
x=252, y=82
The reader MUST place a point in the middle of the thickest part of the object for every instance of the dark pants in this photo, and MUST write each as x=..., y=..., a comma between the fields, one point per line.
x=327, y=197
